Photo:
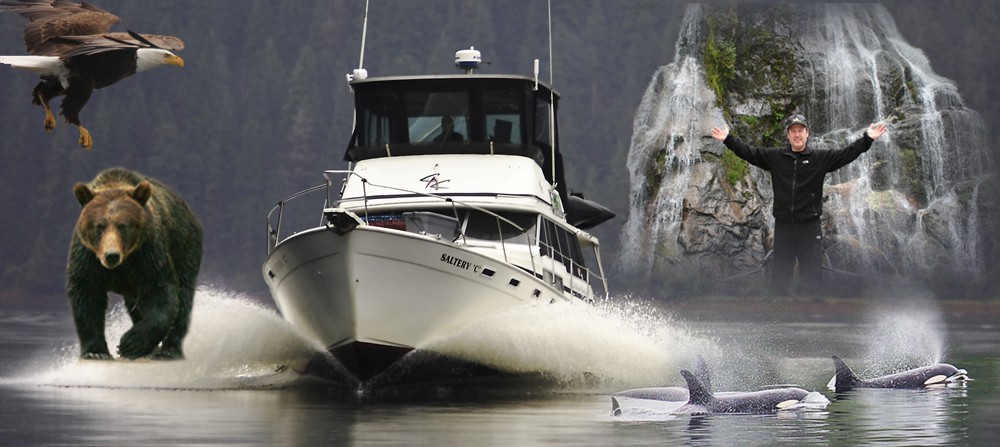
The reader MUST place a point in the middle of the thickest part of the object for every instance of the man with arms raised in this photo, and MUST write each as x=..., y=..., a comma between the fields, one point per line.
x=797, y=174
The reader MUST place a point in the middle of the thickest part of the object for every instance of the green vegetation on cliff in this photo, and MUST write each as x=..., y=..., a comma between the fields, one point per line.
x=751, y=67
x=720, y=53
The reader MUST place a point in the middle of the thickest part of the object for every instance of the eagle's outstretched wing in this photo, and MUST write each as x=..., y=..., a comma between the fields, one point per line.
x=87, y=45
x=50, y=22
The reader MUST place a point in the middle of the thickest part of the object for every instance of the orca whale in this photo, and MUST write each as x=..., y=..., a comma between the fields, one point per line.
x=663, y=393
x=702, y=401
x=936, y=375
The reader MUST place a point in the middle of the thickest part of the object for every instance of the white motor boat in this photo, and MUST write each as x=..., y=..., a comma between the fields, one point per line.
x=454, y=209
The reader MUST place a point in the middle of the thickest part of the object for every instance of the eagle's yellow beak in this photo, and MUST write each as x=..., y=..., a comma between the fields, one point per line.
x=174, y=59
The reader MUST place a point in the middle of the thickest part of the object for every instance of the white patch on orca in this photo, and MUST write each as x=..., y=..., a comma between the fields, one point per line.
x=814, y=401
x=935, y=380
x=787, y=404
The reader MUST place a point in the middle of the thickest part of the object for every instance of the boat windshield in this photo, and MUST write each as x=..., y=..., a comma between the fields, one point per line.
x=444, y=116
x=468, y=115
x=480, y=225
x=437, y=116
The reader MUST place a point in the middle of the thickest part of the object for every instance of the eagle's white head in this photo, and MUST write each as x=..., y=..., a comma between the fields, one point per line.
x=146, y=58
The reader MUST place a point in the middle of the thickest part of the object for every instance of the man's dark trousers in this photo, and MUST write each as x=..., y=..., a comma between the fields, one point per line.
x=802, y=241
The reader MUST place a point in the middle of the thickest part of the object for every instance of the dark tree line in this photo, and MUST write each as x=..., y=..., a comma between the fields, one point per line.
x=262, y=106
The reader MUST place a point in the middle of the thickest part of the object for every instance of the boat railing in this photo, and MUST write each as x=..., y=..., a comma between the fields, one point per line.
x=274, y=227
x=274, y=232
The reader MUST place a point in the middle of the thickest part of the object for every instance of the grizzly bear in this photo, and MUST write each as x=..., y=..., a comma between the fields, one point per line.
x=137, y=238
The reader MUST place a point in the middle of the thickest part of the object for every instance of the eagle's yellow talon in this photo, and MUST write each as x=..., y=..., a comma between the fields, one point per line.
x=50, y=121
x=85, y=138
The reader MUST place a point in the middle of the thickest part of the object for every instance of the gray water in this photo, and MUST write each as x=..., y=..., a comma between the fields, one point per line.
x=238, y=385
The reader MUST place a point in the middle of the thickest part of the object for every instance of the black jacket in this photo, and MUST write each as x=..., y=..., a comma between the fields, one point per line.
x=797, y=179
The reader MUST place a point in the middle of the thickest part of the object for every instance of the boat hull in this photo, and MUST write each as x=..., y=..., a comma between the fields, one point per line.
x=371, y=295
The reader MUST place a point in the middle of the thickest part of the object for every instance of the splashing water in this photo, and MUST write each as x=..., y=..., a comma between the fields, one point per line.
x=233, y=343
x=903, y=338
x=236, y=343
x=617, y=342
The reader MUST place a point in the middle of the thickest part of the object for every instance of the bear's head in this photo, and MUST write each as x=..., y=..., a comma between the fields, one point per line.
x=113, y=221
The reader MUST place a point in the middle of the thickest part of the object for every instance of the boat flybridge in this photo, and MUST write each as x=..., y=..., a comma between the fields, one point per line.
x=455, y=208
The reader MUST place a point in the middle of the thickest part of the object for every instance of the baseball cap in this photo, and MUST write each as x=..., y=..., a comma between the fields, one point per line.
x=795, y=119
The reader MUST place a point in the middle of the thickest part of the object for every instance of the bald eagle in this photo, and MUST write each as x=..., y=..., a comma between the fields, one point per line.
x=71, y=48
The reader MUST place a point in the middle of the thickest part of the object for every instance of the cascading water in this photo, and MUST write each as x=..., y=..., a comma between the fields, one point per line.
x=907, y=207
x=658, y=147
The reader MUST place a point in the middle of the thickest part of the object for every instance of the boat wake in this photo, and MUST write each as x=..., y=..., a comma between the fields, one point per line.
x=619, y=342
x=233, y=343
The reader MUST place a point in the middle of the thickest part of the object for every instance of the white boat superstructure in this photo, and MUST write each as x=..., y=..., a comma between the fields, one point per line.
x=455, y=209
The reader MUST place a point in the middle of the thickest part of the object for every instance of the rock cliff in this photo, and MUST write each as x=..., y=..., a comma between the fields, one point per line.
x=919, y=204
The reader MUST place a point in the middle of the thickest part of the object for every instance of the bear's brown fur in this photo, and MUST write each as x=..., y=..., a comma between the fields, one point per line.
x=135, y=237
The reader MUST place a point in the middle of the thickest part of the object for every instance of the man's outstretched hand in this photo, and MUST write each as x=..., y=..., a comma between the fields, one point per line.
x=875, y=130
x=720, y=134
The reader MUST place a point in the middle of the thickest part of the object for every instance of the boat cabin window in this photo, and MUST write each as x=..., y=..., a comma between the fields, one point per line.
x=410, y=116
x=437, y=116
x=542, y=120
x=502, y=111
x=563, y=246
x=376, y=119
x=480, y=225
x=487, y=115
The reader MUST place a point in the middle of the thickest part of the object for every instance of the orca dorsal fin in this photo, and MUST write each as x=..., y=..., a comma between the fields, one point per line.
x=845, y=378
x=701, y=371
x=698, y=394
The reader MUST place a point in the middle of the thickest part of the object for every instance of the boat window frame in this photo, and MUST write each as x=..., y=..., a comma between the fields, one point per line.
x=364, y=133
x=371, y=141
x=481, y=107
x=435, y=105
x=527, y=220
x=490, y=117
x=563, y=246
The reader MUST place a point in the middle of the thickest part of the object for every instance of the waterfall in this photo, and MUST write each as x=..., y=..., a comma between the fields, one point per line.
x=661, y=156
x=908, y=207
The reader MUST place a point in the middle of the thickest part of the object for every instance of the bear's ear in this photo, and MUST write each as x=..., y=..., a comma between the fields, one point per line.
x=83, y=194
x=142, y=192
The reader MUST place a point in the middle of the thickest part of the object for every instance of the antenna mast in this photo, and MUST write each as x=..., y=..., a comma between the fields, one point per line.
x=552, y=101
x=359, y=73
x=364, y=34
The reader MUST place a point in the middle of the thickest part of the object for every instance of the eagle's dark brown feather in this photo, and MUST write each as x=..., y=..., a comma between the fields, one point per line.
x=51, y=20
x=87, y=45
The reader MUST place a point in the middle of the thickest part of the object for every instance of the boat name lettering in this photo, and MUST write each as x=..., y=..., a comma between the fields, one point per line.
x=460, y=263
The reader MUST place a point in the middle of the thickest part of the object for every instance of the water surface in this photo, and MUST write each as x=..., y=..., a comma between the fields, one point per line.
x=238, y=385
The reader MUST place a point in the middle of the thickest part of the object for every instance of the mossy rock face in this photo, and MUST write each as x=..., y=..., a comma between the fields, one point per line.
x=736, y=168
x=751, y=65
x=655, y=170
x=911, y=182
